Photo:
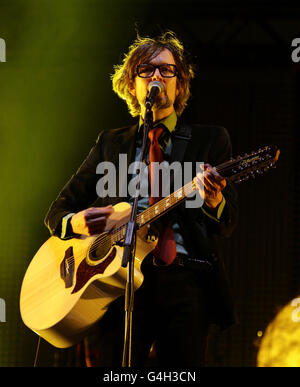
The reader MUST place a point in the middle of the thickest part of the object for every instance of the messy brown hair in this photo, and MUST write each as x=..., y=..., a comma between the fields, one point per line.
x=144, y=49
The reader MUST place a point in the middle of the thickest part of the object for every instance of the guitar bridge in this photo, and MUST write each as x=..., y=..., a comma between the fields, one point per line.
x=67, y=268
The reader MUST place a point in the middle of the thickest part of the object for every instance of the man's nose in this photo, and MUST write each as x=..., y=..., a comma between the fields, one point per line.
x=156, y=74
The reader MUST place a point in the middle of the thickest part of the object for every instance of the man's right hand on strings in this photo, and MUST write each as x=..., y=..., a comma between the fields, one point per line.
x=91, y=221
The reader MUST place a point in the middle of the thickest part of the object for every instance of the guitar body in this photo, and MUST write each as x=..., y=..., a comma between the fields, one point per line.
x=69, y=284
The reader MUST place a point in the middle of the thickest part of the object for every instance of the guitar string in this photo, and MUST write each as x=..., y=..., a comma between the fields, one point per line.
x=107, y=239
x=155, y=210
x=148, y=213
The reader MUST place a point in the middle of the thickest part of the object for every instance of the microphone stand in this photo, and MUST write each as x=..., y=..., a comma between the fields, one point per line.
x=129, y=248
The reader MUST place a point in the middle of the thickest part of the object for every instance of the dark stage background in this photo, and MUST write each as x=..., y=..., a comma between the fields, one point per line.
x=55, y=97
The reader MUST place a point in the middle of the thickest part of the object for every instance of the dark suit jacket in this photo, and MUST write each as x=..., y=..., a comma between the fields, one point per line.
x=202, y=235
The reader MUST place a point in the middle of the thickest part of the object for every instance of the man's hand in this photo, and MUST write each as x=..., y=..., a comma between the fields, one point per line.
x=91, y=221
x=210, y=185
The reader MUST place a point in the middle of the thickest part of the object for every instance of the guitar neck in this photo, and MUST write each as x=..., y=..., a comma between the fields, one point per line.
x=156, y=210
x=165, y=204
x=236, y=170
x=177, y=197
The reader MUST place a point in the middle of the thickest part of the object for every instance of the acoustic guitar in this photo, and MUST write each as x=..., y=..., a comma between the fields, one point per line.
x=69, y=284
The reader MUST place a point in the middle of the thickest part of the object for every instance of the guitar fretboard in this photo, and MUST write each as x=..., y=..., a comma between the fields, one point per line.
x=231, y=170
x=156, y=210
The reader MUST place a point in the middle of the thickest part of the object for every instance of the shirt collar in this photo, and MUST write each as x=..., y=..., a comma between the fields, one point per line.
x=169, y=122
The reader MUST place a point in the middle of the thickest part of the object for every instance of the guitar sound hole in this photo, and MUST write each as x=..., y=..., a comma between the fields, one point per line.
x=100, y=248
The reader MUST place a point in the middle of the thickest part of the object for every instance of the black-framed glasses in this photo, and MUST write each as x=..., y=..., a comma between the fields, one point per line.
x=146, y=70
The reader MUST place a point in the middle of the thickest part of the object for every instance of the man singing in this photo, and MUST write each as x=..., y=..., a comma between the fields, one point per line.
x=185, y=289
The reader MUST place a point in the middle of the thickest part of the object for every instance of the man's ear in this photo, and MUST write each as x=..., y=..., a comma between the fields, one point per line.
x=177, y=91
x=178, y=88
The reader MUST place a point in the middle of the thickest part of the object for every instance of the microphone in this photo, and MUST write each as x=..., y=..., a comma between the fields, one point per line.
x=154, y=88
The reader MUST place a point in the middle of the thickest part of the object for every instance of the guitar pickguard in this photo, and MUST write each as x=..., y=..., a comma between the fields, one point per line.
x=86, y=271
x=67, y=268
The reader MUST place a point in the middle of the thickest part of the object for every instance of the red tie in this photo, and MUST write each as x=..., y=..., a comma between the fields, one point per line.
x=165, y=250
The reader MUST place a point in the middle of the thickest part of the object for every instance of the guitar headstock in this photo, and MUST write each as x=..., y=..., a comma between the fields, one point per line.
x=250, y=165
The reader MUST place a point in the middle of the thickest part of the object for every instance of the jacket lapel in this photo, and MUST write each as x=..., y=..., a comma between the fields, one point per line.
x=181, y=138
x=122, y=144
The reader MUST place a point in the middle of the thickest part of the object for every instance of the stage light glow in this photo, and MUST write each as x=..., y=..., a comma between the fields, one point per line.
x=280, y=345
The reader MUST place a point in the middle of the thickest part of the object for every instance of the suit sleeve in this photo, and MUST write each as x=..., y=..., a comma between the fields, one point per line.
x=223, y=219
x=79, y=192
